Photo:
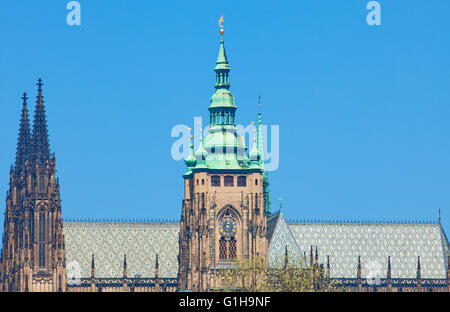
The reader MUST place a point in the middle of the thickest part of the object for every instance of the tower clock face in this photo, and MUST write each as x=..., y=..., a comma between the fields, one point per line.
x=227, y=227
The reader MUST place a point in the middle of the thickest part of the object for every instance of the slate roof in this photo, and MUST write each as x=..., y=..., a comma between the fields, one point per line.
x=373, y=242
x=343, y=242
x=110, y=241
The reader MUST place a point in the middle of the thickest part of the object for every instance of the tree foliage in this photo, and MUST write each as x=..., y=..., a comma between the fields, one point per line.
x=253, y=274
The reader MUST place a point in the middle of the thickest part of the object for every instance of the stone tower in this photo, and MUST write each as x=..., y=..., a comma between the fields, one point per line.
x=32, y=257
x=224, y=214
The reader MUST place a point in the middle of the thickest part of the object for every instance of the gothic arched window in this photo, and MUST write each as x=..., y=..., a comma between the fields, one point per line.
x=227, y=242
x=232, y=248
x=222, y=248
x=41, y=184
x=41, y=227
x=42, y=239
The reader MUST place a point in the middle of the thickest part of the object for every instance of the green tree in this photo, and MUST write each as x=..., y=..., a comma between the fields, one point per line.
x=253, y=275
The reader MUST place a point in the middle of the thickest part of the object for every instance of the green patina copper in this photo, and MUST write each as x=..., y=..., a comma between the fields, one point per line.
x=223, y=149
x=265, y=175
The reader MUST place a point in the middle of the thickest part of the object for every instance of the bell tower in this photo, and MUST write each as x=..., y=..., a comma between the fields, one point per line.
x=32, y=257
x=224, y=214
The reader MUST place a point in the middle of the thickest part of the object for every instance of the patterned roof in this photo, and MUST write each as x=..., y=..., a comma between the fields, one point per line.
x=280, y=236
x=373, y=242
x=110, y=241
x=343, y=242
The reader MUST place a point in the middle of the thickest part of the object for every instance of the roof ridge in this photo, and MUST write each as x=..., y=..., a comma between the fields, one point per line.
x=122, y=220
x=356, y=221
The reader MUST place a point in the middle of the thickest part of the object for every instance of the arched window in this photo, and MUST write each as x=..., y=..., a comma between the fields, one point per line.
x=227, y=242
x=232, y=248
x=242, y=181
x=41, y=184
x=228, y=181
x=203, y=181
x=215, y=181
x=42, y=255
x=222, y=248
x=31, y=227
x=256, y=181
x=42, y=239
x=42, y=227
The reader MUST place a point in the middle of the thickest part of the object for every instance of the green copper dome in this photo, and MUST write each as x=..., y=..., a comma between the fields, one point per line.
x=223, y=148
x=190, y=160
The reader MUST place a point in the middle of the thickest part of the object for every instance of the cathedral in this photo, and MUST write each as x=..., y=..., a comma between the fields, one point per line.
x=225, y=215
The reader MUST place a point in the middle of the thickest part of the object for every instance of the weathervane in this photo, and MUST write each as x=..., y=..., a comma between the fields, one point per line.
x=221, y=26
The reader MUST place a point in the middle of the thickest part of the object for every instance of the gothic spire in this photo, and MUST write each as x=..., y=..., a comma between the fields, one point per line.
x=286, y=258
x=419, y=271
x=316, y=257
x=40, y=144
x=260, y=142
x=328, y=267
x=92, y=267
x=23, y=144
x=260, y=134
x=389, y=270
x=125, y=266
x=358, y=272
x=156, y=267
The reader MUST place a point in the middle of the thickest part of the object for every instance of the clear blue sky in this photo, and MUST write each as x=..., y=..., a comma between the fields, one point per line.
x=363, y=110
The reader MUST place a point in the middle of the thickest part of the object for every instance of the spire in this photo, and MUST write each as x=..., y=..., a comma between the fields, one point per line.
x=190, y=160
x=358, y=274
x=24, y=141
x=222, y=108
x=316, y=258
x=419, y=275
x=266, y=191
x=254, y=154
x=419, y=270
x=260, y=133
x=125, y=266
x=389, y=275
x=328, y=268
x=222, y=62
x=281, y=208
x=40, y=145
x=92, y=267
x=389, y=270
x=200, y=153
x=286, y=258
x=156, y=267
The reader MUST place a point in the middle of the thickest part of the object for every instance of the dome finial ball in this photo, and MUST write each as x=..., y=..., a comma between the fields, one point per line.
x=222, y=31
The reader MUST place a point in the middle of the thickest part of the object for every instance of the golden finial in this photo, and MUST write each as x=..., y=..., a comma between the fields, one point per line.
x=221, y=26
